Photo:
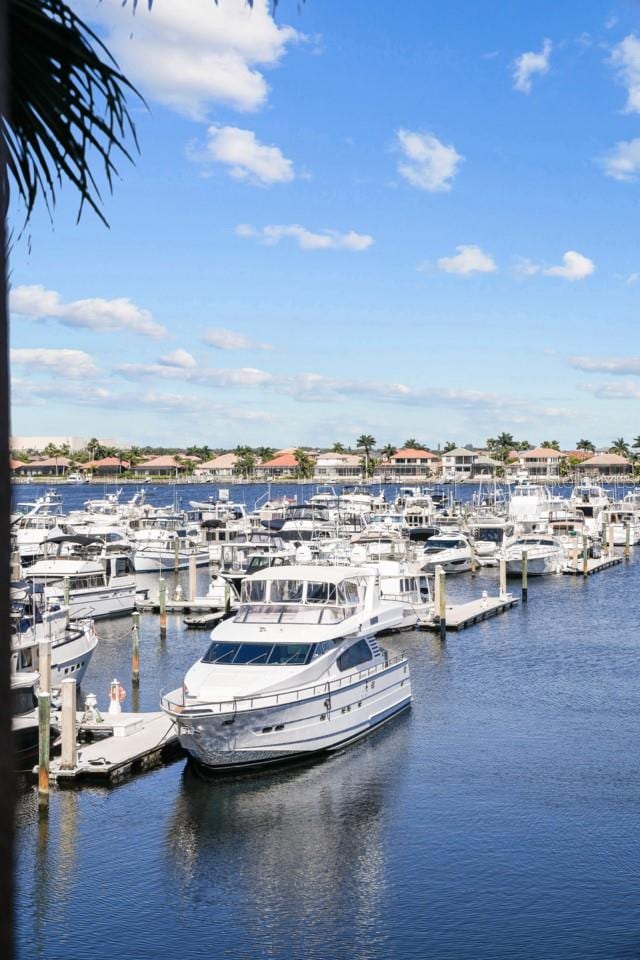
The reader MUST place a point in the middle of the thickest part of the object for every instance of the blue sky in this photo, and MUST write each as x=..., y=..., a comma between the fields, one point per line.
x=415, y=219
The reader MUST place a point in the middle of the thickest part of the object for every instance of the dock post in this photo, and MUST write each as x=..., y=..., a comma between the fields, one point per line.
x=192, y=576
x=611, y=543
x=503, y=577
x=605, y=537
x=69, y=755
x=227, y=597
x=585, y=554
x=15, y=566
x=441, y=591
x=44, y=728
x=65, y=587
x=135, y=648
x=162, y=599
x=627, y=540
x=525, y=571
x=44, y=665
x=176, y=555
x=474, y=561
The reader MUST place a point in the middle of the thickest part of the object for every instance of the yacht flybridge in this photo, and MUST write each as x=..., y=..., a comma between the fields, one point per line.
x=298, y=670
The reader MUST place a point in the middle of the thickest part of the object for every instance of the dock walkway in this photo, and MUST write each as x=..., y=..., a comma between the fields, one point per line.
x=593, y=566
x=459, y=616
x=134, y=742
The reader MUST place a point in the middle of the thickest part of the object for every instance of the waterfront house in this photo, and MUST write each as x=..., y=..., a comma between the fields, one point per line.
x=605, y=466
x=219, y=468
x=165, y=466
x=542, y=463
x=485, y=466
x=458, y=464
x=106, y=467
x=338, y=466
x=281, y=467
x=408, y=464
x=49, y=467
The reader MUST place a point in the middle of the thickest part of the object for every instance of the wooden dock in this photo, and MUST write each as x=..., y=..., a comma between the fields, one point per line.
x=459, y=616
x=593, y=566
x=197, y=605
x=134, y=742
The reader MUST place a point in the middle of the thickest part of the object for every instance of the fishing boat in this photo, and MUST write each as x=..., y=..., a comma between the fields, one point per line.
x=296, y=673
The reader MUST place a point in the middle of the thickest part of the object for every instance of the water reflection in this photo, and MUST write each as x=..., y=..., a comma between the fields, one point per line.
x=310, y=842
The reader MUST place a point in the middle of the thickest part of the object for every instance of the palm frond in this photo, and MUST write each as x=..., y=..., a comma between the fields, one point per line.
x=68, y=103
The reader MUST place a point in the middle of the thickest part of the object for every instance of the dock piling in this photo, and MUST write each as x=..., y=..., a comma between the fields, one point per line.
x=44, y=728
x=627, y=540
x=525, y=572
x=135, y=648
x=44, y=665
x=585, y=554
x=69, y=755
x=503, y=577
x=162, y=600
x=176, y=555
x=192, y=576
x=441, y=602
x=611, y=543
x=474, y=561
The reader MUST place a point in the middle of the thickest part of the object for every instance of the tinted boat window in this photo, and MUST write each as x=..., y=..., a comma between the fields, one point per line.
x=355, y=655
x=253, y=653
x=291, y=653
x=220, y=652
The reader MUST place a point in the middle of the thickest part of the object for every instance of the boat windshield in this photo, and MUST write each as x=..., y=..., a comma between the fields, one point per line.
x=488, y=534
x=437, y=543
x=300, y=592
x=260, y=654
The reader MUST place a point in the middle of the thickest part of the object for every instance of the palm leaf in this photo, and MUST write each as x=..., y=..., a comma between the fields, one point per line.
x=67, y=106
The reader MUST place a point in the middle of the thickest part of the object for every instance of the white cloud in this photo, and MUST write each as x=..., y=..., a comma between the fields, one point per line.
x=527, y=65
x=306, y=239
x=232, y=340
x=575, y=266
x=213, y=376
x=625, y=57
x=620, y=366
x=192, y=56
x=428, y=163
x=94, y=314
x=526, y=268
x=625, y=390
x=245, y=157
x=468, y=259
x=74, y=364
x=178, y=358
x=623, y=162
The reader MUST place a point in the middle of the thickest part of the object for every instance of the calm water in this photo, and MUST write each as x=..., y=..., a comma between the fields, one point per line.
x=500, y=818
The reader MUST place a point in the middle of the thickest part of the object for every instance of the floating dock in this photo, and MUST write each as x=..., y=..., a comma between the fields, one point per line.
x=197, y=605
x=134, y=742
x=593, y=566
x=459, y=616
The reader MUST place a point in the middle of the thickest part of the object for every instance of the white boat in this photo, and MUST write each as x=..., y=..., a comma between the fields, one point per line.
x=71, y=644
x=452, y=552
x=24, y=719
x=620, y=521
x=545, y=555
x=75, y=478
x=297, y=671
x=529, y=505
x=489, y=534
x=95, y=581
x=591, y=501
x=155, y=550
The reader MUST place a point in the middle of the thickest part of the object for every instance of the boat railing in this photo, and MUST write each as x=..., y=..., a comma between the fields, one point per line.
x=177, y=702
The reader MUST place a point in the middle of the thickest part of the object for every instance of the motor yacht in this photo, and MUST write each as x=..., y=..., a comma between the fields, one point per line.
x=452, y=552
x=95, y=579
x=489, y=534
x=297, y=672
x=545, y=555
x=529, y=505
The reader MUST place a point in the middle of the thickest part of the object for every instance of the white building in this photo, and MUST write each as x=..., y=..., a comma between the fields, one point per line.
x=75, y=444
x=458, y=464
x=338, y=466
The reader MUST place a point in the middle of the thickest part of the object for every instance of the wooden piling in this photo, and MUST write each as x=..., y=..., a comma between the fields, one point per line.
x=474, y=560
x=525, y=573
x=192, y=576
x=227, y=597
x=44, y=733
x=66, y=594
x=176, y=555
x=135, y=648
x=16, y=573
x=162, y=600
x=503, y=576
x=627, y=540
x=585, y=554
x=69, y=754
x=611, y=543
x=44, y=665
x=441, y=591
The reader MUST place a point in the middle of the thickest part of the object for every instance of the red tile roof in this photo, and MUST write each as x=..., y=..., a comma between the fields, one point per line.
x=408, y=453
x=284, y=460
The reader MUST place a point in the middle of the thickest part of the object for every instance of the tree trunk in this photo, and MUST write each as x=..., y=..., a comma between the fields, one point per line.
x=6, y=744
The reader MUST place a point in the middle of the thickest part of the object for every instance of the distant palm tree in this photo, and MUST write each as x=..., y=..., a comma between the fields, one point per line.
x=449, y=446
x=621, y=447
x=550, y=444
x=412, y=444
x=264, y=453
x=305, y=464
x=338, y=448
x=246, y=462
x=390, y=451
x=366, y=442
x=586, y=445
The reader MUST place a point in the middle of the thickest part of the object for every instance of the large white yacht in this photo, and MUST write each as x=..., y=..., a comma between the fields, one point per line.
x=529, y=505
x=96, y=579
x=296, y=672
x=451, y=551
x=545, y=554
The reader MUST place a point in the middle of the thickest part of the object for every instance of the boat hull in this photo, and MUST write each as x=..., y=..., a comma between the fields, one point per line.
x=286, y=732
